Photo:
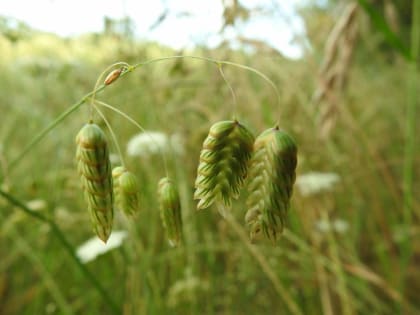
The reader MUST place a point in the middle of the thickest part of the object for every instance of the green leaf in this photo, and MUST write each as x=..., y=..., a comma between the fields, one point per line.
x=382, y=25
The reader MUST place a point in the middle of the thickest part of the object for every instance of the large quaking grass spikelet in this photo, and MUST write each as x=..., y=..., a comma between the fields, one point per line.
x=272, y=175
x=126, y=190
x=223, y=166
x=94, y=168
x=170, y=210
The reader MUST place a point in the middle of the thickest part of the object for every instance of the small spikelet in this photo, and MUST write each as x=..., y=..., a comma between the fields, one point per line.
x=170, y=210
x=126, y=190
x=94, y=169
x=113, y=76
x=223, y=163
x=272, y=174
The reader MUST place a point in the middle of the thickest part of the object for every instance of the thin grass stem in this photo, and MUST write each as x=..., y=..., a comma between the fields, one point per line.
x=410, y=142
x=217, y=63
x=114, y=308
x=113, y=136
x=234, y=101
x=98, y=82
x=262, y=261
x=135, y=123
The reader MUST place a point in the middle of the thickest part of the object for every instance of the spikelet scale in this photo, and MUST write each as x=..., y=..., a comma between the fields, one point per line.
x=126, y=190
x=94, y=168
x=170, y=210
x=272, y=175
x=223, y=163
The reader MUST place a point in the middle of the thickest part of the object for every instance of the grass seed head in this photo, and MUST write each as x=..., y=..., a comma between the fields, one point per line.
x=113, y=76
x=94, y=169
x=126, y=190
x=223, y=163
x=272, y=175
x=170, y=210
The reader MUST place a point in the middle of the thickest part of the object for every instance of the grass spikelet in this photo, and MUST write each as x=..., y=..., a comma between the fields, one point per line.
x=170, y=210
x=223, y=163
x=272, y=174
x=126, y=190
x=95, y=172
x=113, y=76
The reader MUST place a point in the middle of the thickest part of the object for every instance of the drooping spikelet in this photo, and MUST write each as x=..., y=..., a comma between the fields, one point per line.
x=170, y=210
x=223, y=164
x=126, y=190
x=113, y=76
x=94, y=168
x=272, y=174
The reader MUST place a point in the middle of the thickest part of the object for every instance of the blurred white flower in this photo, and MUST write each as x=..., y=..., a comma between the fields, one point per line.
x=338, y=225
x=314, y=182
x=149, y=143
x=114, y=159
x=94, y=247
x=183, y=290
x=36, y=204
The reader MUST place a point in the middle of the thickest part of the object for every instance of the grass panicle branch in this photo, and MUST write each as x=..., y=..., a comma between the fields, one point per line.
x=135, y=123
x=125, y=69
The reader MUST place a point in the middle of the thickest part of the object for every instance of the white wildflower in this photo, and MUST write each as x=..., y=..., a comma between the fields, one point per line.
x=314, y=182
x=114, y=159
x=94, y=247
x=184, y=289
x=150, y=143
x=37, y=204
x=338, y=225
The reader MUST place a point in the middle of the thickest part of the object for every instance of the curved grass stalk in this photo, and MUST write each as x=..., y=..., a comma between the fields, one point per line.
x=218, y=63
x=128, y=69
x=135, y=123
x=35, y=140
x=98, y=82
x=114, y=308
x=113, y=136
x=234, y=100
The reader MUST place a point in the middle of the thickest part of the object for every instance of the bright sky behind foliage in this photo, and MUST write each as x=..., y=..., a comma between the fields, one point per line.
x=201, y=26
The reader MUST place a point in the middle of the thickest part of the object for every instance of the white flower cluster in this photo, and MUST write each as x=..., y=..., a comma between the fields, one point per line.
x=337, y=225
x=94, y=247
x=315, y=182
x=146, y=144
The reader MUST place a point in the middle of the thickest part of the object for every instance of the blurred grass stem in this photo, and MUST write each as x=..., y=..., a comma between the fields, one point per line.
x=410, y=140
x=68, y=247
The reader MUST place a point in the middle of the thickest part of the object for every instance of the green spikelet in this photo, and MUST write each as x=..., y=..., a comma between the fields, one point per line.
x=94, y=169
x=223, y=163
x=170, y=210
x=126, y=190
x=272, y=175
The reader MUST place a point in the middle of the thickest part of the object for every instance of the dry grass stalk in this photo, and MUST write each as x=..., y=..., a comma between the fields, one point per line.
x=334, y=68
